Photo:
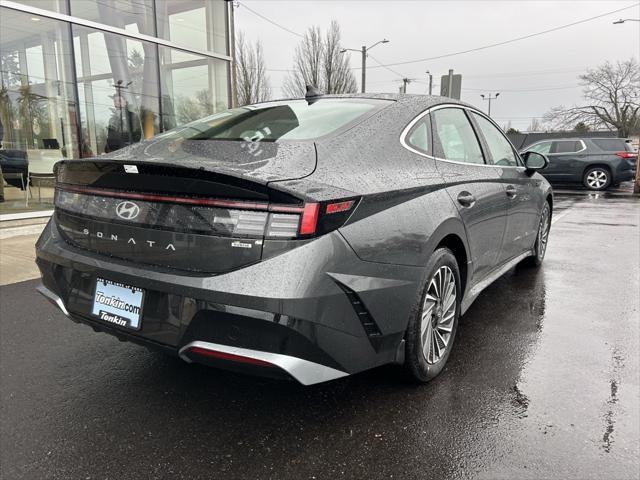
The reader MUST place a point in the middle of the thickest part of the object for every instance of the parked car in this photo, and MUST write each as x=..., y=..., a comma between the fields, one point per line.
x=596, y=163
x=311, y=238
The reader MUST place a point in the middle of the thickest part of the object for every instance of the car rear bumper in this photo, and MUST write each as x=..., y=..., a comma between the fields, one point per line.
x=314, y=313
x=625, y=176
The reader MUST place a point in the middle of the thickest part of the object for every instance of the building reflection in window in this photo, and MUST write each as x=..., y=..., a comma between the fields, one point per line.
x=37, y=101
x=192, y=87
x=70, y=91
x=118, y=88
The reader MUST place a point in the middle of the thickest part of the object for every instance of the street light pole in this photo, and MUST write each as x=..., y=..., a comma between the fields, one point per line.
x=489, y=98
x=430, y=81
x=364, y=68
x=636, y=182
x=363, y=51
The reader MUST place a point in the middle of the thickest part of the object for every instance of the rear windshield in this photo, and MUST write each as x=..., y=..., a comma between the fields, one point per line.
x=613, y=145
x=280, y=121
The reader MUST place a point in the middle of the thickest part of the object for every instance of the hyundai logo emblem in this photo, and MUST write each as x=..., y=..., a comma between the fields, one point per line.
x=127, y=210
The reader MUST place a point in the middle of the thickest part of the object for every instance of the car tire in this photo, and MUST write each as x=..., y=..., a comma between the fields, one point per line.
x=542, y=238
x=597, y=178
x=428, y=345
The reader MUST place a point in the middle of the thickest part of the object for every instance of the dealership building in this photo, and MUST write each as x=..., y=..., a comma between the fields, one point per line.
x=81, y=78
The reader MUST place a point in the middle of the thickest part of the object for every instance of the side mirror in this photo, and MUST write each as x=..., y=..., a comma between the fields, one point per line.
x=534, y=161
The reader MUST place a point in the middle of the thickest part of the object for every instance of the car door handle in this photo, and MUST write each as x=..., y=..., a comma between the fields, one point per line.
x=511, y=191
x=466, y=199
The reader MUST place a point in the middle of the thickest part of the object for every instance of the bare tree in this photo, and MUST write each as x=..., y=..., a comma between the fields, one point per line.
x=534, y=125
x=319, y=62
x=252, y=84
x=612, y=95
x=338, y=77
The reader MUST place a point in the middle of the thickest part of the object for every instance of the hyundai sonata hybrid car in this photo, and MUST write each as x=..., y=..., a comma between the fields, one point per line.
x=310, y=238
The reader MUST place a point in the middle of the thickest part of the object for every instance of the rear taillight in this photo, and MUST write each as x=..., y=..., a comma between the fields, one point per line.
x=627, y=155
x=309, y=219
x=213, y=216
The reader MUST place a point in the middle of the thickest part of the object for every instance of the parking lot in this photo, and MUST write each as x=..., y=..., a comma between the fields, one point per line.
x=543, y=382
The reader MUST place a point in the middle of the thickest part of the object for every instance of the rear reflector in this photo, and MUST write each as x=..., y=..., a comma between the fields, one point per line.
x=309, y=219
x=229, y=357
x=627, y=154
x=340, y=206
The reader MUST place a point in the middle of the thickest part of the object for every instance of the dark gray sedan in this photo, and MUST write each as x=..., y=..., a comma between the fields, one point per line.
x=310, y=239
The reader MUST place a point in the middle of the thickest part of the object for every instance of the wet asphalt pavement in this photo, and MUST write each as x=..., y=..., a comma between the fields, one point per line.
x=543, y=382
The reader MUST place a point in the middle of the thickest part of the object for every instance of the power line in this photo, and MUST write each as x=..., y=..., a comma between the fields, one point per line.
x=271, y=21
x=484, y=47
x=543, y=89
x=528, y=73
x=447, y=55
x=395, y=72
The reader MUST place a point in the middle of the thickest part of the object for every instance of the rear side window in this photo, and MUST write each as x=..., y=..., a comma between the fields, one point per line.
x=501, y=151
x=612, y=144
x=543, y=148
x=420, y=135
x=276, y=121
x=566, y=146
x=456, y=136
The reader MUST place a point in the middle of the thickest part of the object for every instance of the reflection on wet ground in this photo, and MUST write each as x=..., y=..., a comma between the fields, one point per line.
x=542, y=383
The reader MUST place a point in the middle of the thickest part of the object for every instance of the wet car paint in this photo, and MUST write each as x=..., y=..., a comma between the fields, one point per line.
x=543, y=383
x=405, y=205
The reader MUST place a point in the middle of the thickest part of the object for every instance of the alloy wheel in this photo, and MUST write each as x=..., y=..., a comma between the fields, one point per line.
x=597, y=179
x=438, y=315
x=543, y=231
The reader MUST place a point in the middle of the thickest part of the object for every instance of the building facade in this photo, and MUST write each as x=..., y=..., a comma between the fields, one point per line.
x=80, y=78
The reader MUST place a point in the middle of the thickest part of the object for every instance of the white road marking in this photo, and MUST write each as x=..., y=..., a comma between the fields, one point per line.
x=558, y=217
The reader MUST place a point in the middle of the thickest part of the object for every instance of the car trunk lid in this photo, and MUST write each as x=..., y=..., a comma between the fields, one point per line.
x=196, y=212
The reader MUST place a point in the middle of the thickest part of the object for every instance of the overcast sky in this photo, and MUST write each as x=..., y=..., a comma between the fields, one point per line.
x=548, y=63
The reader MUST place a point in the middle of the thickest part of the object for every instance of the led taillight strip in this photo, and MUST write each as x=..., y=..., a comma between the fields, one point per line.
x=205, y=202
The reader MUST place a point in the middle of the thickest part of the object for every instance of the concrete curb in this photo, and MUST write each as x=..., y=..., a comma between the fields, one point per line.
x=10, y=232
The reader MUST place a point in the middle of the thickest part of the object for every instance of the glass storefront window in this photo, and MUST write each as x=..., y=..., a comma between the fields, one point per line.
x=197, y=24
x=118, y=88
x=58, y=6
x=135, y=16
x=192, y=87
x=38, y=109
x=72, y=91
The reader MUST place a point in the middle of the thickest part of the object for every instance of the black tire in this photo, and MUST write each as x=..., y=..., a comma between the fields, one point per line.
x=597, y=178
x=542, y=238
x=419, y=368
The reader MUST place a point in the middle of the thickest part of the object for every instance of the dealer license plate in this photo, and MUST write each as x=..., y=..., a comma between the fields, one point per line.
x=118, y=304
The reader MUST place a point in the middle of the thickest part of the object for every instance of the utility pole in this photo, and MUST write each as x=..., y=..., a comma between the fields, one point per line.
x=430, y=82
x=364, y=68
x=122, y=105
x=405, y=81
x=364, y=51
x=489, y=98
x=636, y=183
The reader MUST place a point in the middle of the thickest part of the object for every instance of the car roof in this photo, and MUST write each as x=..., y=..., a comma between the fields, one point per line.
x=425, y=101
